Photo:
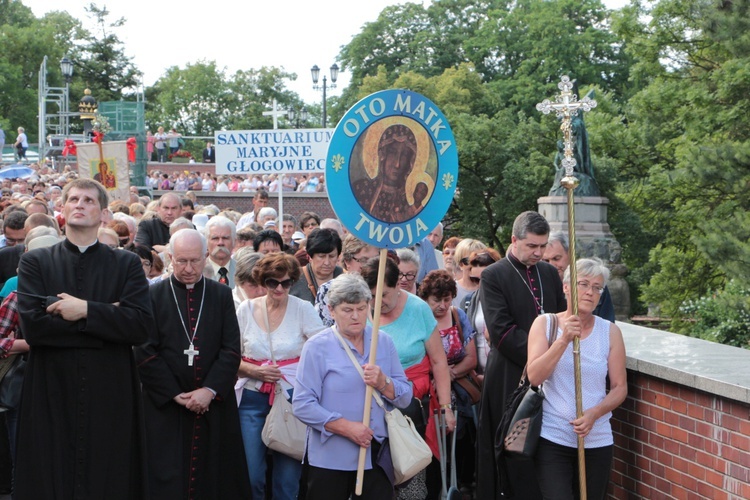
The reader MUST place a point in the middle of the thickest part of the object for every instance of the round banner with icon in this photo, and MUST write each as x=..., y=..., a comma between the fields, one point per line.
x=392, y=168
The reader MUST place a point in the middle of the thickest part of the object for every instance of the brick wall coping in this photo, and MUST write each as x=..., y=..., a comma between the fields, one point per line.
x=707, y=366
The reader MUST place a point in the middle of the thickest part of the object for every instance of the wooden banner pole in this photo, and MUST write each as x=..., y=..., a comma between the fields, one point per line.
x=373, y=359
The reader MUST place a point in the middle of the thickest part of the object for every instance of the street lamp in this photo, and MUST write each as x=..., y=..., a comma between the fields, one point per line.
x=300, y=115
x=66, y=68
x=334, y=76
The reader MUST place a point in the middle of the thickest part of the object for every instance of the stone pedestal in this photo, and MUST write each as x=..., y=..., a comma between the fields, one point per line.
x=593, y=239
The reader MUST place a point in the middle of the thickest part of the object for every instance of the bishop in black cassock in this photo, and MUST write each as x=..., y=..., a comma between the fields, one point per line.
x=514, y=291
x=188, y=368
x=81, y=429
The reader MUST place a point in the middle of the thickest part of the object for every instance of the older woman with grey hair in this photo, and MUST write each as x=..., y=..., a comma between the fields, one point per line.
x=329, y=396
x=245, y=286
x=408, y=269
x=602, y=353
x=266, y=214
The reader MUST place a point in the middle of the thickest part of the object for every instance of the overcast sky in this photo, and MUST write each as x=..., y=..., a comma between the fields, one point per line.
x=237, y=34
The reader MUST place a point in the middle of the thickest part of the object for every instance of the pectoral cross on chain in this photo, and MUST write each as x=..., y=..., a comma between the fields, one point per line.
x=191, y=352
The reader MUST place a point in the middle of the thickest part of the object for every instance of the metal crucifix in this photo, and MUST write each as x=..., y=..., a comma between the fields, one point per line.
x=566, y=106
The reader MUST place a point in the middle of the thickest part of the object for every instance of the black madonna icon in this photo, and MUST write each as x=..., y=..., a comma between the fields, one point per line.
x=393, y=169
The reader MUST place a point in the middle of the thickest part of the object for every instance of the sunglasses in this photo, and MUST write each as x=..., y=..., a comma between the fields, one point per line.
x=272, y=283
x=474, y=279
x=464, y=261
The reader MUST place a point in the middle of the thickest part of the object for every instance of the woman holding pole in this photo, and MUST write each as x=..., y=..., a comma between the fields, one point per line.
x=602, y=354
x=410, y=323
x=329, y=397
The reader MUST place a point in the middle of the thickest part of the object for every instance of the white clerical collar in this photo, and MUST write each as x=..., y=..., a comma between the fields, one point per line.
x=83, y=248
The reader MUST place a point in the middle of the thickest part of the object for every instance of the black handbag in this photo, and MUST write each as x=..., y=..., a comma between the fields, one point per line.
x=518, y=434
x=419, y=413
x=12, y=382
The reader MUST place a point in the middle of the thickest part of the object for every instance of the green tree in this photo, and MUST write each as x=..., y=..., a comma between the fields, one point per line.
x=687, y=178
x=190, y=99
x=102, y=63
x=200, y=98
x=24, y=41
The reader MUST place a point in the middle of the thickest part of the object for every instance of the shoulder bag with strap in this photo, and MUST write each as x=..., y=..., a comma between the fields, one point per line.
x=519, y=430
x=469, y=382
x=311, y=282
x=282, y=432
x=409, y=452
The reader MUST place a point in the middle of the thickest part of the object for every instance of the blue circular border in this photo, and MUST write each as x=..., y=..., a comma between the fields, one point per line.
x=375, y=107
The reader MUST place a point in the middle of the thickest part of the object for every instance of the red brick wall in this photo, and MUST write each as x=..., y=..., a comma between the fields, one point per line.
x=672, y=441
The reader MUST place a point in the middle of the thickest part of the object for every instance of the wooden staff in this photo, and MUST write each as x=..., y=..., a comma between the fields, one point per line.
x=372, y=360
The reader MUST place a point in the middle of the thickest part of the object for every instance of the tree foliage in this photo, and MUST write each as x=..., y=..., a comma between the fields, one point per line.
x=103, y=63
x=201, y=98
x=24, y=40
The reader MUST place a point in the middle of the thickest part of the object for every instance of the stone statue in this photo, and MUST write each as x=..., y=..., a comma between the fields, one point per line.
x=584, y=170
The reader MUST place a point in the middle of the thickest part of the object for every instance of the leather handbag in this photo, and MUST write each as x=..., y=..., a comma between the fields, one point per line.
x=518, y=434
x=470, y=382
x=11, y=381
x=282, y=432
x=409, y=452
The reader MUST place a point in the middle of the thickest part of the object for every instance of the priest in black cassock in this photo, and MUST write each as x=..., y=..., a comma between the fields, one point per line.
x=188, y=368
x=515, y=290
x=82, y=308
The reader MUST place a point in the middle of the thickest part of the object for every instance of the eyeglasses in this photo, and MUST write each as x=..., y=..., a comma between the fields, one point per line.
x=449, y=251
x=362, y=260
x=585, y=286
x=408, y=276
x=145, y=263
x=194, y=263
x=273, y=284
x=310, y=224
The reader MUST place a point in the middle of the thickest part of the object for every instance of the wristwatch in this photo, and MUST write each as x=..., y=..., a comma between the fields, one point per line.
x=387, y=383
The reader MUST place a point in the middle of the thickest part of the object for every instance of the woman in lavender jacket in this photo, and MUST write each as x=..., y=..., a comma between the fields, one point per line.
x=329, y=397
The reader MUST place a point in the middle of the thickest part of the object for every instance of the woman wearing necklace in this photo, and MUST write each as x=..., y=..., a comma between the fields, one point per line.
x=602, y=355
x=274, y=329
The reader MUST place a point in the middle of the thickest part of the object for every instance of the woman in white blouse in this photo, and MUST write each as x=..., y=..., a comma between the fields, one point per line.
x=270, y=354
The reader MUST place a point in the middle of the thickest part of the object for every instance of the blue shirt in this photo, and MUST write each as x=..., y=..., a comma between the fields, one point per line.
x=10, y=286
x=427, y=260
x=328, y=387
x=411, y=330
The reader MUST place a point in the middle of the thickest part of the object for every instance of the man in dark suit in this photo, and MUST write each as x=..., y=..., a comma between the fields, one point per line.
x=209, y=154
x=14, y=233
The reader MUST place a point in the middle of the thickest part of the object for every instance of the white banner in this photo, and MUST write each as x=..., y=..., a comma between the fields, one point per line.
x=272, y=151
x=113, y=172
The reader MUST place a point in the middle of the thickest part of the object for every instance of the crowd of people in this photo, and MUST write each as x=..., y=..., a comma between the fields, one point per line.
x=186, y=180
x=156, y=335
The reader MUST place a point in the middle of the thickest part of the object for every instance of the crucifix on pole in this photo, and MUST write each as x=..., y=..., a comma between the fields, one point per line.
x=275, y=113
x=566, y=106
